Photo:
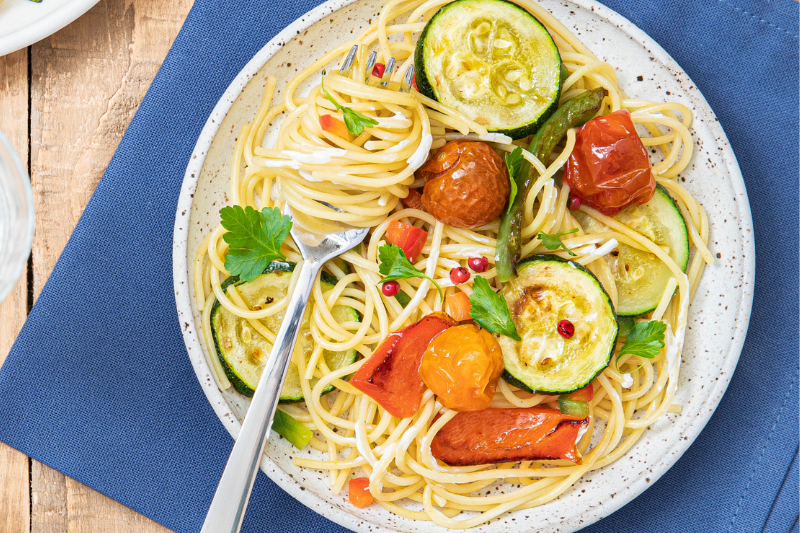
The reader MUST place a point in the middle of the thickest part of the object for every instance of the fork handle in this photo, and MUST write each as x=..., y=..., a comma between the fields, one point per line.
x=233, y=492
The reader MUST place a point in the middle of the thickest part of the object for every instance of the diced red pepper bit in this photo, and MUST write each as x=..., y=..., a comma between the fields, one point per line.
x=358, y=492
x=414, y=81
x=378, y=70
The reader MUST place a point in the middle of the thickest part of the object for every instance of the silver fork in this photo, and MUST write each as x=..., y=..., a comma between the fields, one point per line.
x=318, y=243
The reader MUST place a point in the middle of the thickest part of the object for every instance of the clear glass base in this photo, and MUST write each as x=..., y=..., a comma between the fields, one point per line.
x=16, y=216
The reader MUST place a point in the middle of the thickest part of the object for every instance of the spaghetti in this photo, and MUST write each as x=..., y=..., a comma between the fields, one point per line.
x=365, y=178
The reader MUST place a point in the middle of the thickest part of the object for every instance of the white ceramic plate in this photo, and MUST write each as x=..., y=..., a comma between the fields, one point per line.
x=23, y=22
x=718, y=317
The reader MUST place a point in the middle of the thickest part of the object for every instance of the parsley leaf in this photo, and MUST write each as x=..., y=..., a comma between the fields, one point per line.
x=646, y=339
x=355, y=121
x=490, y=310
x=553, y=242
x=254, y=239
x=394, y=265
x=513, y=162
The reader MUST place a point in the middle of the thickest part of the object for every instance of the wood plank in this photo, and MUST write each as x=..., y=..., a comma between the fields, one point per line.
x=14, y=475
x=88, y=80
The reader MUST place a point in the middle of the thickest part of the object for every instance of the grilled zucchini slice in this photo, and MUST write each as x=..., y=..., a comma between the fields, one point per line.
x=547, y=290
x=641, y=277
x=491, y=61
x=244, y=352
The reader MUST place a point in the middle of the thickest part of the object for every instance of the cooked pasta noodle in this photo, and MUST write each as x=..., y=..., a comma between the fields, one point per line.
x=366, y=178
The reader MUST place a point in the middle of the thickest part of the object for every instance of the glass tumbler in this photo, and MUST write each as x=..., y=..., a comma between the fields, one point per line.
x=16, y=216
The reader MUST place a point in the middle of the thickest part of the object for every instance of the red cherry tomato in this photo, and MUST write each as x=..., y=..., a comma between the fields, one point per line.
x=609, y=168
x=408, y=238
x=390, y=288
x=358, y=492
x=459, y=275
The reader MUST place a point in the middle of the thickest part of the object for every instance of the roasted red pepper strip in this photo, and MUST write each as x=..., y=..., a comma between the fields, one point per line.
x=507, y=436
x=391, y=374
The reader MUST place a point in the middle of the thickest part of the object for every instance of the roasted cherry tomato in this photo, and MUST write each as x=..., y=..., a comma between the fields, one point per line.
x=413, y=200
x=508, y=436
x=408, y=238
x=390, y=376
x=609, y=168
x=358, y=492
x=461, y=366
x=466, y=184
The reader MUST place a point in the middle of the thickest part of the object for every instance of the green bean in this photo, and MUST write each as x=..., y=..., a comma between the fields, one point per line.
x=572, y=114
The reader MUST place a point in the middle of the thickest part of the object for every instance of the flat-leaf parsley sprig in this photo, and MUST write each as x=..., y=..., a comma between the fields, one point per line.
x=513, y=162
x=395, y=265
x=490, y=310
x=355, y=121
x=254, y=239
x=646, y=339
x=553, y=241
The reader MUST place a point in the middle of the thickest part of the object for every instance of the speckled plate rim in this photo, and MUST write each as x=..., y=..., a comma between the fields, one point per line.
x=184, y=306
x=50, y=22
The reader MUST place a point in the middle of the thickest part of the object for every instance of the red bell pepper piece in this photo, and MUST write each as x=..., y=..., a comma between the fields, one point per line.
x=507, y=436
x=459, y=306
x=358, y=492
x=408, y=238
x=585, y=394
x=391, y=374
x=334, y=126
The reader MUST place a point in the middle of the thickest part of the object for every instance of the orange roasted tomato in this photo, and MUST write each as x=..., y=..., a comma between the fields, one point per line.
x=466, y=184
x=609, y=168
x=461, y=366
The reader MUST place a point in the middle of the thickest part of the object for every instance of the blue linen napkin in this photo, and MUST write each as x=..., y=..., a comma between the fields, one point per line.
x=99, y=386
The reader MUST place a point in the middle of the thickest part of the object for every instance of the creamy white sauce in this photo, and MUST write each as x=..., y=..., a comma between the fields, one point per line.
x=280, y=163
x=420, y=155
x=627, y=381
x=320, y=157
x=606, y=248
x=398, y=120
x=307, y=176
x=489, y=137
x=581, y=433
x=382, y=201
x=673, y=345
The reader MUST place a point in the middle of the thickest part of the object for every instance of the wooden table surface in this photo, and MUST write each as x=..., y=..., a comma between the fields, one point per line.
x=65, y=103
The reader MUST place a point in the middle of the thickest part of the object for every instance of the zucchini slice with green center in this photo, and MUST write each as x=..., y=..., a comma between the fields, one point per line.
x=547, y=290
x=491, y=61
x=640, y=276
x=244, y=352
